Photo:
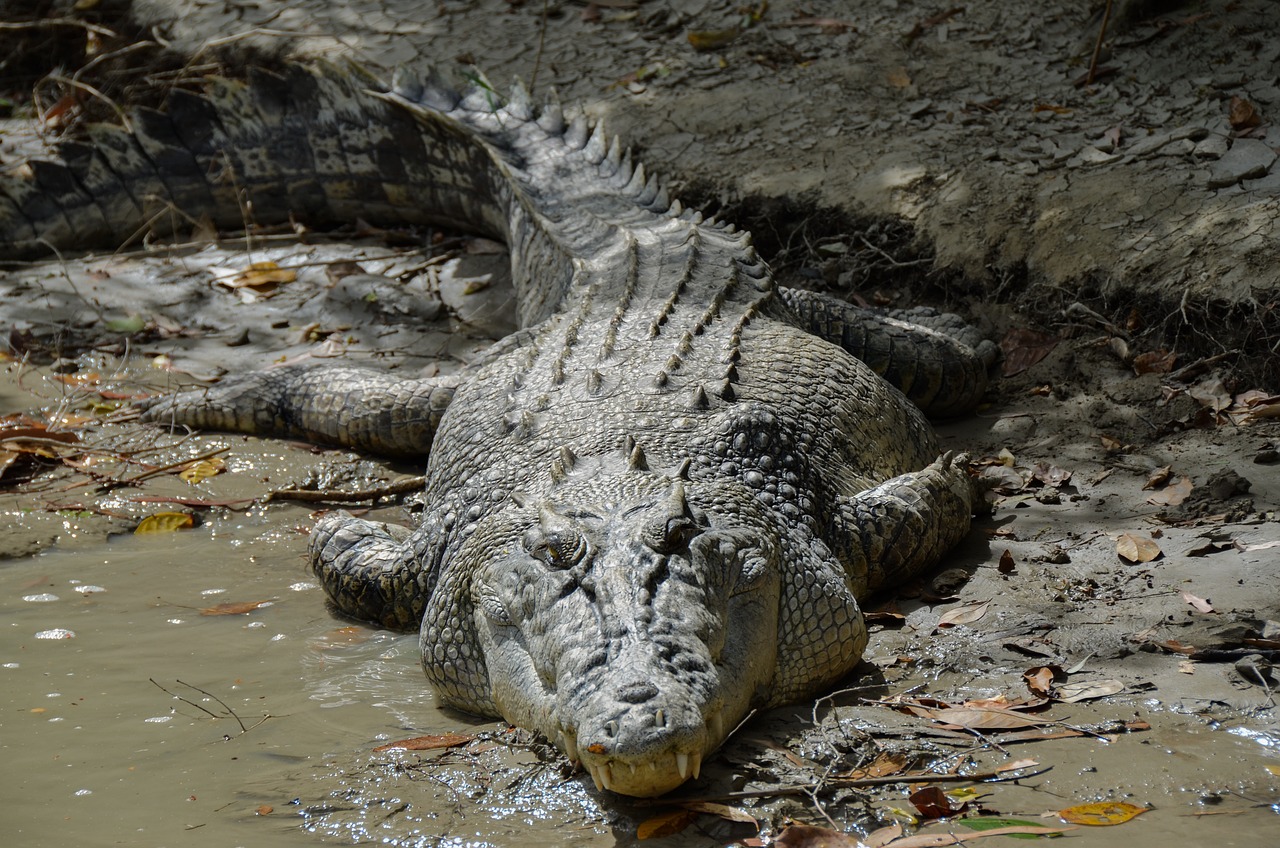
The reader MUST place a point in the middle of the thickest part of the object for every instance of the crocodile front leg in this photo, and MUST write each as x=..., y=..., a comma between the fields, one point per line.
x=935, y=359
x=904, y=526
x=373, y=571
x=334, y=404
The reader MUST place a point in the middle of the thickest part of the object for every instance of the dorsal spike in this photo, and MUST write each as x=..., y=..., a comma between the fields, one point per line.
x=567, y=457
x=682, y=473
x=521, y=500
x=595, y=381
x=628, y=444
x=558, y=471
x=677, y=503
x=700, y=399
x=636, y=459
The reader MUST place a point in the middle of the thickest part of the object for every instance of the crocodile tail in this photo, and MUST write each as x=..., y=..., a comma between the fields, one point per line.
x=318, y=144
x=327, y=146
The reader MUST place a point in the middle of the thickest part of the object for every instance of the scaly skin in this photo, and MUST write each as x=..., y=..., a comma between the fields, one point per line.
x=653, y=509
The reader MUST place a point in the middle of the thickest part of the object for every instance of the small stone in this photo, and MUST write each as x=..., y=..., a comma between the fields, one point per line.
x=1211, y=147
x=1266, y=456
x=1248, y=159
x=1090, y=155
x=1255, y=669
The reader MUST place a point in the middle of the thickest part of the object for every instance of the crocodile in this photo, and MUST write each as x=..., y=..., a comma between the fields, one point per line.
x=650, y=511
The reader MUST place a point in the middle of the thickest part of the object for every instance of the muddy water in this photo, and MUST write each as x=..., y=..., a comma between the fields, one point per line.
x=97, y=754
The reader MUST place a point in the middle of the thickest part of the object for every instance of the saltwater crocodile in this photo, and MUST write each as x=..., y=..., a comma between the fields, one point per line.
x=648, y=512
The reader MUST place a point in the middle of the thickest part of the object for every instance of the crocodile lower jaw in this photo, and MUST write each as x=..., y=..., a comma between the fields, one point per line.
x=645, y=778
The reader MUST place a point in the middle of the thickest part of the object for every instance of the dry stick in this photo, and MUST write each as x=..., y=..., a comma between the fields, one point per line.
x=146, y=475
x=232, y=712
x=1097, y=47
x=398, y=487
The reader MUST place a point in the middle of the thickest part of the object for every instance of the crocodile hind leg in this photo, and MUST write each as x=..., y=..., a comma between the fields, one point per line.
x=373, y=571
x=333, y=404
x=935, y=359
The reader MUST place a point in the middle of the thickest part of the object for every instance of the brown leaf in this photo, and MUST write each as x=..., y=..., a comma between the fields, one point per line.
x=427, y=743
x=1006, y=565
x=885, y=764
x=1137, y=548
x=235, y=608
x=1211, y=394
x=984, y=719
x=264, y=810
x=933, y=803
x=262, y=277
x=1154, y=362
x=1243, y=115
x=807, y=836
x=1159, y=477
x=1050, y=475
x=1173, y=494
x=1023, y=348
x=1102, y=813
x=667, y=824
x=964, y=614
x=1109, y=444
x=1040, y=679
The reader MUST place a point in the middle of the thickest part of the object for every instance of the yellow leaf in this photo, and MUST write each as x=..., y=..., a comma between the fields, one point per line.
x=198, y=472
x=1101, y=813
x=713, y=39
x=262, y=277
x=1137, y=548
x=1273, y=769
x=667, y=824
x=164, y=522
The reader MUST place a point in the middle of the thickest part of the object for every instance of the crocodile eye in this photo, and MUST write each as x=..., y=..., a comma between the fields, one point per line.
x=560, y=548
x=670, y=535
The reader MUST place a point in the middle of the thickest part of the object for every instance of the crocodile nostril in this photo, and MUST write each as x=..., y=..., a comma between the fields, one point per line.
x=637, y=692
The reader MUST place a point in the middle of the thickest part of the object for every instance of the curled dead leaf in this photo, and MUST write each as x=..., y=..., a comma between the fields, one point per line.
x=1173, y=494
x=667, y=824
x=964, y=614
x=1137, y=548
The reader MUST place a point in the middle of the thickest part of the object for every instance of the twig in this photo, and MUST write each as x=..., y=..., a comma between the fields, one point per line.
x=230, y=711
x=1097, y=46
x=146, y=475
x=396, y=487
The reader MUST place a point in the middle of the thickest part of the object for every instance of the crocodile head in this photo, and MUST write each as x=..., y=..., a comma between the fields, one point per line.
x=631, y=617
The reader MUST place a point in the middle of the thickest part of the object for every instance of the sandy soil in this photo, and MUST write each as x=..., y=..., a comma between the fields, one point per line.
x=959, y=163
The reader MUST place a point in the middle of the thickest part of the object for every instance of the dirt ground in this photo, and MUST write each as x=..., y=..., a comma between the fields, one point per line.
x=1120, y=238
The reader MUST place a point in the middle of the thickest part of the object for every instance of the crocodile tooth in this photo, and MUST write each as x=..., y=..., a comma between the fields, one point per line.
x=715, y=728
x=552, y=118
x=519, y=103
x=611, y=729
x=570, y=745
x=575, y=136
x=682, y=765
x=595, y=777
x=696, y=766
x=633, y=768
x=597, y=146
x=606, y=776
x=659, y=719
x=676, y=209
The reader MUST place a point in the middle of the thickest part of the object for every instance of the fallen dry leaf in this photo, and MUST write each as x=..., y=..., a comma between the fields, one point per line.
x=1040, y=679
x=1197, y=603
x=198, y=472
x=807, y=836
x=427, y=743
x=1154, y=362
x=1158, y=478
x=1173, y=494
x=1023, y=348
x=1137, y=548
x=723, y=811
x=1103, y=813
x=933, y=803
x=164, y=522
x=667, y=824
x=1242, y=114
x=964, y=614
